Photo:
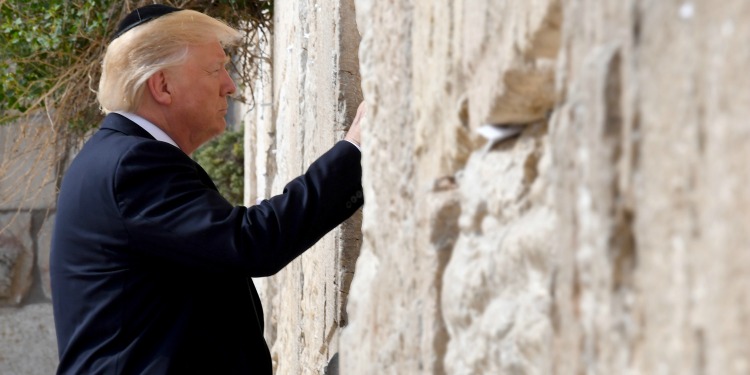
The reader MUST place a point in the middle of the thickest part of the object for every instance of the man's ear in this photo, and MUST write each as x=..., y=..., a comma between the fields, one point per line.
x=159, y=88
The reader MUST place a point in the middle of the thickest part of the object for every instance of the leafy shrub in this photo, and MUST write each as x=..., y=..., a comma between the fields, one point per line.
x=223, y=159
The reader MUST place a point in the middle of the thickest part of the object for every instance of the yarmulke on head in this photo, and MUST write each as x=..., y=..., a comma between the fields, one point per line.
x=142, y=15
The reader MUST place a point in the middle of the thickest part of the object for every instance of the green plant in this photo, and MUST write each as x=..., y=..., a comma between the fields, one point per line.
x=50, y=62
x=45, y=61
x=51, y=52
x=223, y=160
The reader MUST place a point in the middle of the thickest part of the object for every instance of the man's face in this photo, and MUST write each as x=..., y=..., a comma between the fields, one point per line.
x=199, y=90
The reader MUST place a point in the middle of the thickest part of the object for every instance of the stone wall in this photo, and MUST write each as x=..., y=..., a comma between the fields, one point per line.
x=27, y=209
x=610, y=237
x=304, y=104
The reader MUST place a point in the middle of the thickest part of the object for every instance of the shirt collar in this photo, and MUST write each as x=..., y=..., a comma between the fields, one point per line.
x=152, y=129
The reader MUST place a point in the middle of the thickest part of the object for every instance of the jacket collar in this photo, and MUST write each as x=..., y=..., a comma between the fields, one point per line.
x=122, y=124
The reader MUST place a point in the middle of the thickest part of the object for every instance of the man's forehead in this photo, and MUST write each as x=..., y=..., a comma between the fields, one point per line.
x=207, y=56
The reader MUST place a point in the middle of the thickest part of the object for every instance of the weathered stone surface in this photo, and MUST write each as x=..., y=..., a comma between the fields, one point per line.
x=507, y=52
x=438, y=209
x=16, y=257
x=648, y=162
x=28, y=168
x=610, y=239
x=496, y=288
x=314, y=99
x=27, y=340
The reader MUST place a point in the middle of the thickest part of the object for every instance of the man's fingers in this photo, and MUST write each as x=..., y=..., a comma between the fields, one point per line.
x=360, y=113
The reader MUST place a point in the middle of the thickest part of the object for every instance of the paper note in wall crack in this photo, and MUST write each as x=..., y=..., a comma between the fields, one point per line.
x=495, y=133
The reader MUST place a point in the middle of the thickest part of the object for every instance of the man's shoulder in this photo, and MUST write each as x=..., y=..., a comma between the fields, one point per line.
x=107, y=149
x=110, y=142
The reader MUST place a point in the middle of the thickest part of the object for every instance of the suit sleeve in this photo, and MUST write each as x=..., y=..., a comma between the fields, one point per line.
x=172, y=215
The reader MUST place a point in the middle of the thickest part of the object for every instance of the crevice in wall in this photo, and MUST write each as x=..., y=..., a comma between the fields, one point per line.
x=613, y=119
x=537, y=132
x=623, y=251
x=349, y=244
x=622, y=244
x=272, y=170
x=444, y=233
x=620, y=146
x=700, y=352
x=465, y=142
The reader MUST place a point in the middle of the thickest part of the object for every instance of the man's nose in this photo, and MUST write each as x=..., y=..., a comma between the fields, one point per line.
x=228, y=86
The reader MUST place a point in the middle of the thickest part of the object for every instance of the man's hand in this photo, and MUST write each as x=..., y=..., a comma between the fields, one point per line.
x=353, y=135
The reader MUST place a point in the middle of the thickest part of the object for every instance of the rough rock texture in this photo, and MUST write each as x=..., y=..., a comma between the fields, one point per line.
x=650, y=150
x=609, y=238
x=455, y=270
x=315, y=95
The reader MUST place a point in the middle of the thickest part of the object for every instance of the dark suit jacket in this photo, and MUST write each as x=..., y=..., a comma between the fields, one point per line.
x=151, y=267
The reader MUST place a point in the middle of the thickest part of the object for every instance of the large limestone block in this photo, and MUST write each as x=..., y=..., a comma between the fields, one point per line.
x=496, y=296
x=614, y=244
x=391, y=322
x=648, y=163
x=27, y=340
x=16, y=257
x=421, y=161
x=315, y=96
x=694, y=199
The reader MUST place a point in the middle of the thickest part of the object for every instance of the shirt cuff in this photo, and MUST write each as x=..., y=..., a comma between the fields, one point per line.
x=355, y=145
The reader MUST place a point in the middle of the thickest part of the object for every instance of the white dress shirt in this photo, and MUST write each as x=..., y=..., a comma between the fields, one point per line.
x=152, y=129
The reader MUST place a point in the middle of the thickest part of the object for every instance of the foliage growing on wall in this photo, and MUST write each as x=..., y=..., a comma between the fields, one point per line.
x=42, y=42
x=50, y=62
x=51, y=51
x=223, y=159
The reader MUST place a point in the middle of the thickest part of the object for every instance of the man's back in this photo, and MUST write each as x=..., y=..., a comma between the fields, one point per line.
x=121, y=304
x=151, y=267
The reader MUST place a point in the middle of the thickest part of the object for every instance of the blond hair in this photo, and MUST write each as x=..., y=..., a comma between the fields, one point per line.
x=132, y=58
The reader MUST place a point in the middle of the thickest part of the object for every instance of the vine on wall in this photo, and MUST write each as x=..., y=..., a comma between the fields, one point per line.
x=50, y=63
x=51, y=52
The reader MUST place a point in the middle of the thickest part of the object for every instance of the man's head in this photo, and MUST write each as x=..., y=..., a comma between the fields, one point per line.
x=139, y=52
x=172, y=67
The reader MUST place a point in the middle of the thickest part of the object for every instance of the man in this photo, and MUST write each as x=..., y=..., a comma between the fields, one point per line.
x=150, y=266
